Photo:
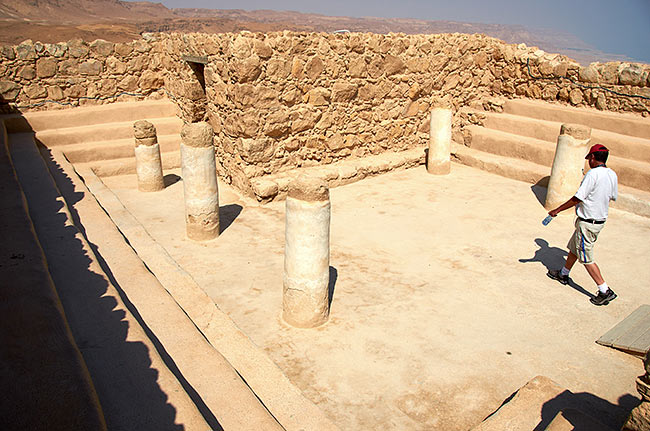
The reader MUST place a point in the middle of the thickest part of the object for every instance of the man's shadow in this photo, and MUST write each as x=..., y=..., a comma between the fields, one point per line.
x=553, y=258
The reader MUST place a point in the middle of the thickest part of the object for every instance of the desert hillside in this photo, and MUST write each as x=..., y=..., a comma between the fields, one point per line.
x=119, y=21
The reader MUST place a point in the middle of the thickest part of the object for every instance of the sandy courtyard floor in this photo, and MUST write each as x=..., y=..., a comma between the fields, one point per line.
x=441, y=306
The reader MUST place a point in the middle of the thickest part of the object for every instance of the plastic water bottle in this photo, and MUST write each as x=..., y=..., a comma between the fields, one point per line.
x=547, y=220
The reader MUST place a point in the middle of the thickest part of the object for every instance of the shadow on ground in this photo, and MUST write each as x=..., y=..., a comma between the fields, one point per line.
x=125, y=382
x=228, y=214
x=553, y=258
x=539, y=190
x=334, y=275
x=570, y=405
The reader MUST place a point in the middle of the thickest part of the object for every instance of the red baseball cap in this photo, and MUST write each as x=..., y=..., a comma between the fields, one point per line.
x=595, y=149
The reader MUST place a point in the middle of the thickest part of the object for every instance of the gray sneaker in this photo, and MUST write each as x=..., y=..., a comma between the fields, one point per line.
x=603, y=298
x=557, y=275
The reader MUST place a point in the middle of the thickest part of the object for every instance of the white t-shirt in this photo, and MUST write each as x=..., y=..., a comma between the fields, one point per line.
x=598, y=187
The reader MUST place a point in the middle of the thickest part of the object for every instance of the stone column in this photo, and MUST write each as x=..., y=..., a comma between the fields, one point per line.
x=438, y=159
x=199, y=173
x=568, y=164
x=148, y=166
x=305, y=301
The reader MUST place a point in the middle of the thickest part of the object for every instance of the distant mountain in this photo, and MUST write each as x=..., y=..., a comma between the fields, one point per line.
x=57, y=20
x=80, y=11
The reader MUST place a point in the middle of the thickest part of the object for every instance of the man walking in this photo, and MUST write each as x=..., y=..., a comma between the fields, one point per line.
x=598, y=187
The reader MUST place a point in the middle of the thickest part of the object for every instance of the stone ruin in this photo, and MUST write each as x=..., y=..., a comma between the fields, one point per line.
x=259, y=104
x=285, y=100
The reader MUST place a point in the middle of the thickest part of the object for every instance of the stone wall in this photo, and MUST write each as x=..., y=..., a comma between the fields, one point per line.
x=282, y=100
x=53, y=76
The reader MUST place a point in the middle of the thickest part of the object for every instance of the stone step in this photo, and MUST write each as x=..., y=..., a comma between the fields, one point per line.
x=115, y=149
x=629, y=199
x=102, y=131
x=122, y=381
x=625, y=124
x=129, y=364
x=283, y=400
x=625, y=146
x=542, y=404
x=631, y=173
x=45, y=381
x=275, y=186
x=126, y=165
x=75, y=117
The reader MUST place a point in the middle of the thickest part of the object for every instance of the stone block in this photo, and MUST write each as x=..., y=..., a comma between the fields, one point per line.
x=344, y=92
x=576, y=96
x=9, y=90
x=54, y=92
x=264, y=189
x=255, y=150
x=27, y=72
x=128, y=83
x=304, y=119
x=35, y=91
x=8, y=52
x=277, y=124
x=314, y=68
x=248, y=70
x=278, y=69
x=588, y=74
x=91, y=67
x=262, y=49
x=46, y=67
x=57, y=50
x=151, y=80
x=297, y=70
x=318, y=97
x=632, y=75
x=77, y=48
x=393, y=65
x=123, y=49
x=26, y=51
x=101, y=48
x=115, y=66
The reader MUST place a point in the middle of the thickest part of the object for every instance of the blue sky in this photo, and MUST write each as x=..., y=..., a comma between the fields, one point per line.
x=613, y=26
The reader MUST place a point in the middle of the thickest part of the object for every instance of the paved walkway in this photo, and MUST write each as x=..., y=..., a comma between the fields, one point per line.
x=441, y=306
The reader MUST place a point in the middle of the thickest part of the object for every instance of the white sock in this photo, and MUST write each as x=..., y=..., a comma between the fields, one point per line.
x=564, y=271
x=603, y=288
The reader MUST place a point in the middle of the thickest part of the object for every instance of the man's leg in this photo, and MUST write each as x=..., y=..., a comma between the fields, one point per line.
x=570, y=261
x=605, y=294
x=594, y=272
x=563, y=275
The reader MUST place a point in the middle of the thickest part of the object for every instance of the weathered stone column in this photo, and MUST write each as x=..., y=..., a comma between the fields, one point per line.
x=568, y=164
x=199, y=173
x=438, y=159
x=305, y=301
x=148, y=166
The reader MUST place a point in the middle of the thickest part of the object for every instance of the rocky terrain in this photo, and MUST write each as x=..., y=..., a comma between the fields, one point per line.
x=52, y=21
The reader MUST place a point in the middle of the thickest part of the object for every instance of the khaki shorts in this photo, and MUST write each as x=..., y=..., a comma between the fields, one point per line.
x=582, y=242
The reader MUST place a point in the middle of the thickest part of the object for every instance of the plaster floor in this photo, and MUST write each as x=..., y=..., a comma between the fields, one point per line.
x=441, y=306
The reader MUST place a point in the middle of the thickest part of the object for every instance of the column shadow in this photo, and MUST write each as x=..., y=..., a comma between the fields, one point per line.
x=539, y=189
x=170, y=179
x=227, y=215
x=334, y=275
x=553, y=258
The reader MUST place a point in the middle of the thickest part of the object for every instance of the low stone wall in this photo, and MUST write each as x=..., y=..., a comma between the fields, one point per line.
x=35, y=75
x=283, y=100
